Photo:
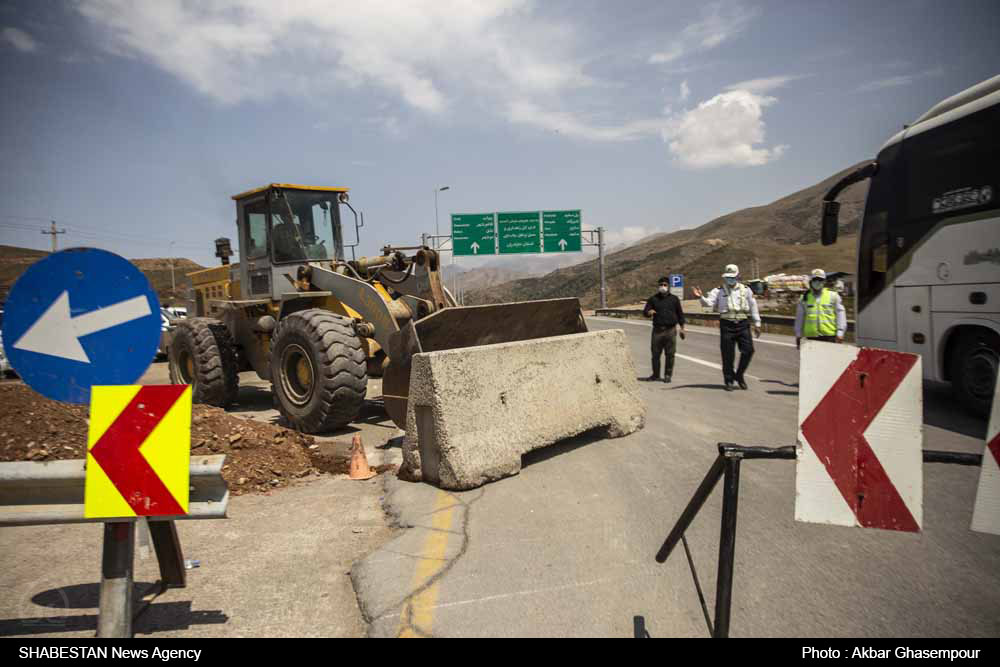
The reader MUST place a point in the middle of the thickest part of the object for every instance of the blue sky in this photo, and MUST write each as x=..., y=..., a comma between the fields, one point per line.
x=131, y=123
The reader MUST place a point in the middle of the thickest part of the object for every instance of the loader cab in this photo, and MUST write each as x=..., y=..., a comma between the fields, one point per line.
x=283, y=227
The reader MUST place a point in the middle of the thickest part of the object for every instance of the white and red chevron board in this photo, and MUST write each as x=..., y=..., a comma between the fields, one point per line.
x=986, y=514
x=860, y=458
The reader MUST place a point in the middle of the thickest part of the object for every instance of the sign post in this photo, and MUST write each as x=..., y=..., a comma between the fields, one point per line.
x=82, y=326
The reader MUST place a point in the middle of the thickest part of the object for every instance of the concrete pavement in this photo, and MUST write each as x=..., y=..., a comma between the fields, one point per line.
x=566, y=548
x=279, y=566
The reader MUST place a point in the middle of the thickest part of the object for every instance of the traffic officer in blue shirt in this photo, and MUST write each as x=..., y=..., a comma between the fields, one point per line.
x=737, y=308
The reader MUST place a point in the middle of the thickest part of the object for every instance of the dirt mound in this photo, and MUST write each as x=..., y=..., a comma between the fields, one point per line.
x=260, y=457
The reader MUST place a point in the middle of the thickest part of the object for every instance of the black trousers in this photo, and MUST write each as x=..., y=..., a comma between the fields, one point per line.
x=733, y=334
x=663, y=341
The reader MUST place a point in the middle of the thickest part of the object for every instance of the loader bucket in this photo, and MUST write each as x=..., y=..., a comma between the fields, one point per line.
x=470, y=326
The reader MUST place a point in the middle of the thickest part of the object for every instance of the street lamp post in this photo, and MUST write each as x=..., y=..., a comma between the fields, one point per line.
x=173, y=284
x=437, y=227
x=437, y=233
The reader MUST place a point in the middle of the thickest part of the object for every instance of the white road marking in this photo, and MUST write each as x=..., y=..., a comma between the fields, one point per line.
x=717, y=367
x=708, y=332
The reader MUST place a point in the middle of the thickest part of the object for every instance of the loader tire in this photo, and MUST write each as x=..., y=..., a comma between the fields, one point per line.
x=318, y=370
x=202, y=354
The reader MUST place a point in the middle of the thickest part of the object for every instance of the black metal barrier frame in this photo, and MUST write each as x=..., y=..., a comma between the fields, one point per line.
x=727, y=466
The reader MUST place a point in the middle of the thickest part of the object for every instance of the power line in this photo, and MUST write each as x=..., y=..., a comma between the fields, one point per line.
x=86, y=232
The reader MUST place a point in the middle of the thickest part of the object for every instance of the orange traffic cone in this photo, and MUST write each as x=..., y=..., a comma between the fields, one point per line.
x=359, y=462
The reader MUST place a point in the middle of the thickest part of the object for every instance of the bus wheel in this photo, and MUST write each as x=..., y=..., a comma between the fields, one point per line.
x=974, y=369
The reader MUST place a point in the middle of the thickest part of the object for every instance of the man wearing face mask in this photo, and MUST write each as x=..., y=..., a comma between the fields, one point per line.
x=668, y=316
x=736, y=307
x=820, y=313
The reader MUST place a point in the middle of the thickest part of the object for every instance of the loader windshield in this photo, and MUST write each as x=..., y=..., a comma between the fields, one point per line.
x=305, y=226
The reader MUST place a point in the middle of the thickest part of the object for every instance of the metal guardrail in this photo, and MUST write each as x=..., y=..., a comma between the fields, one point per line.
x=51, y=492
x=711, y=318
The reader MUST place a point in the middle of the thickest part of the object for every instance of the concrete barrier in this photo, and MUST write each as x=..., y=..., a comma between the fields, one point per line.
x=473, y=412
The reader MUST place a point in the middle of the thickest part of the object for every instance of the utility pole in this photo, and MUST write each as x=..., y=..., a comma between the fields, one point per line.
x=53, y=232
x=595, y=237
x=600, y=260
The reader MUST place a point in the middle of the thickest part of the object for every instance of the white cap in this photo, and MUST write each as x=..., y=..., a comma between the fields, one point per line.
x=731, y=271
x=819, y=273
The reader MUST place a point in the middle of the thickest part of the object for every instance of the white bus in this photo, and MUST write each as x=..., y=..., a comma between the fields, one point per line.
x=929, y=246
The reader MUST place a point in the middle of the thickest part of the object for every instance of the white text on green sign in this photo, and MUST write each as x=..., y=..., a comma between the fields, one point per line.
x=473, y=234
x=561, y=231
x=519, y=232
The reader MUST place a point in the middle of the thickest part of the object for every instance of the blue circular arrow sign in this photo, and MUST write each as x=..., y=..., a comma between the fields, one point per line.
x=78, y=318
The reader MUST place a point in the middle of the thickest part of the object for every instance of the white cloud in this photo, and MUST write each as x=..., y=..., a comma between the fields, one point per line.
x=685, y=91
x=569, y=124
x=895, y=81
x=421, y=50
x=726, y=130
x=18, y=39
x=765, y=85
x=719, y=23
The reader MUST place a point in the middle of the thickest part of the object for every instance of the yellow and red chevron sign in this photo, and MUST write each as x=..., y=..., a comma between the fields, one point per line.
x=138, y=451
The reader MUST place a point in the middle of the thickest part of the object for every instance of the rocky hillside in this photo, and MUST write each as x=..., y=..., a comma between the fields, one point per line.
x=782, y=236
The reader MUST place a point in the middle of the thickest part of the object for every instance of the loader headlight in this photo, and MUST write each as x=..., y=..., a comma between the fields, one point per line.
x=343, y=198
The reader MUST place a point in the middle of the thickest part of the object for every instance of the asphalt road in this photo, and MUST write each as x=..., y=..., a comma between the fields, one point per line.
x=567, y=547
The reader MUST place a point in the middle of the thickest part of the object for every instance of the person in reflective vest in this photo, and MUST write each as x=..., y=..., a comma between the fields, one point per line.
x=737, y=308
x=820, y=313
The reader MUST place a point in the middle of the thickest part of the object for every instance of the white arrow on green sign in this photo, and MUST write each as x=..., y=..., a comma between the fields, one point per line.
x=473, y=234
x=561, y=231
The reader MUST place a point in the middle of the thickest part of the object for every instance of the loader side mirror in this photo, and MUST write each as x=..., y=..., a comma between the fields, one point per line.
x=831, y=220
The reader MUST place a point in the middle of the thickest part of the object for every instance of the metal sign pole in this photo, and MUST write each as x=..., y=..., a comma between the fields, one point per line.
x=168, y=553
x=114, y=620
x=600, y=259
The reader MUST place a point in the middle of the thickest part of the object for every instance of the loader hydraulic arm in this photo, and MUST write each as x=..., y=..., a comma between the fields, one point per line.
x=362, y=297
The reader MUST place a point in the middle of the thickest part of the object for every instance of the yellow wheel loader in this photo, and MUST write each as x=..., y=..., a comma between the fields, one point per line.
x=317, y=325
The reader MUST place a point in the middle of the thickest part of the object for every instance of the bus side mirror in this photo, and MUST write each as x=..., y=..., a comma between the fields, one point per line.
x=831, y=219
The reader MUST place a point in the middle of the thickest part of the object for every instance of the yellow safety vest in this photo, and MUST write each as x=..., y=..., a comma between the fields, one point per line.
x=821, y=316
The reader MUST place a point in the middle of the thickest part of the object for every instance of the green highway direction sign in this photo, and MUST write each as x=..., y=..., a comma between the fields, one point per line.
x=561, y=231
x=473, y=234
x=519, y=232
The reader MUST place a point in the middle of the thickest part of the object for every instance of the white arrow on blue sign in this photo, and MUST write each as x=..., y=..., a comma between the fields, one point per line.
x=78, y=318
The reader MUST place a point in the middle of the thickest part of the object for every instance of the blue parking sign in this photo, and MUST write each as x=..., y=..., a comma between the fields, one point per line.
x=676, y=280
x=78, y=318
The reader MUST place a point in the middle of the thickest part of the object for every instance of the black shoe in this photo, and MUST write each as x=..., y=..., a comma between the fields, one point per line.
x=666, y=378
x=729, y=386
x=742, y=383
x=651, y=378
